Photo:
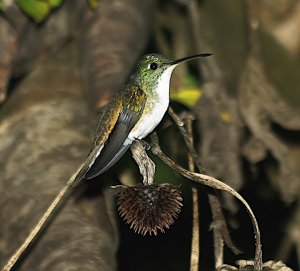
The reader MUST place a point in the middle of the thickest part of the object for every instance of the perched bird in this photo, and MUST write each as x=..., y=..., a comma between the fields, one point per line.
x=137, y=108
x=133, y=113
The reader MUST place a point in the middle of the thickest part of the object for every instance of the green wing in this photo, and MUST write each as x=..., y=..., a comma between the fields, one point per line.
x=117, y=122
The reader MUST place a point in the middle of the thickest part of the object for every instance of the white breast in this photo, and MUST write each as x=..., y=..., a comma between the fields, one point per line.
x=158, y=107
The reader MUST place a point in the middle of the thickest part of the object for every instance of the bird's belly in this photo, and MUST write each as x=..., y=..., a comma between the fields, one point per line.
x=148, y=121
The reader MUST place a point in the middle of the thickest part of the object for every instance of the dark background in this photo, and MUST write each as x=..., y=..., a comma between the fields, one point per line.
x=56, y=73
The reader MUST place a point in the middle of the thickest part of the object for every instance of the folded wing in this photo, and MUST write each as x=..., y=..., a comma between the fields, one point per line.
x=109, y=145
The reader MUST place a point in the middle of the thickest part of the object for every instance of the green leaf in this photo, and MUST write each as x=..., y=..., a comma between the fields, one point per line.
x=37, y=10
x=93, y=3
x=55, y=3
x=187, y=96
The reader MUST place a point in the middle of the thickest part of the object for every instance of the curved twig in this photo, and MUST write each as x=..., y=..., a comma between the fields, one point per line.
x=195, y=244
x=45, y=220
x=216, y=184
x=220, y=229
x=188, y=143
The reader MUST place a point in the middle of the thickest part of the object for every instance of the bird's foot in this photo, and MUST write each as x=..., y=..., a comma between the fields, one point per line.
x=146, y=145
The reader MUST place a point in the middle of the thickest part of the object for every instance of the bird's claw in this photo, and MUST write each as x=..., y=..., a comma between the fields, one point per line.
x=146, y=145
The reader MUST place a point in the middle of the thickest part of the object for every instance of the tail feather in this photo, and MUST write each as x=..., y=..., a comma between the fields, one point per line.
x=85, y=167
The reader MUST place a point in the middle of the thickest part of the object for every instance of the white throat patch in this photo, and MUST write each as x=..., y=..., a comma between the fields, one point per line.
x=158, y=107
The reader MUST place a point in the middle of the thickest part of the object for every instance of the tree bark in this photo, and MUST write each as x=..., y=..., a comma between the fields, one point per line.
x=43, y=131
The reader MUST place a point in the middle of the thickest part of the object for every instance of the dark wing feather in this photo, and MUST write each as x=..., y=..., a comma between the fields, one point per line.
x=108, y=120
x=114, y=149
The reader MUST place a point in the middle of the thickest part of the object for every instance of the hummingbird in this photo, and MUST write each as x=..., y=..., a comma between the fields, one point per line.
x=132, y=114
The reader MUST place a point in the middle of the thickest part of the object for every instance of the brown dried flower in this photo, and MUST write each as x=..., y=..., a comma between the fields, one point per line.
x=149, y=208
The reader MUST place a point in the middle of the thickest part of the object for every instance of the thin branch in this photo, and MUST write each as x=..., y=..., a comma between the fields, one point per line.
x=217, y=227
x=216, y=184
x=45, y=220
x=145, y=164
x=220, y=229
x=189, y=145
x=253, y=26
x=195, y=244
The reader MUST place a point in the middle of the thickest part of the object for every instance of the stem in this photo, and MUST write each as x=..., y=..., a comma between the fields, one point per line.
x=216, y=184
x=45, y=220
x=195, y=244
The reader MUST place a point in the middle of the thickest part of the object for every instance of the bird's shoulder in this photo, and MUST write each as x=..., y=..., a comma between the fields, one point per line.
x=130, y=100
x=134, y=98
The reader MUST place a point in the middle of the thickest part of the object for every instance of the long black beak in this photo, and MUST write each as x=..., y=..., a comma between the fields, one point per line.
x=175, y=62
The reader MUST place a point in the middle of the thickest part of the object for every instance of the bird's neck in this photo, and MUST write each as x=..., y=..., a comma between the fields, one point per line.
x=160, y=88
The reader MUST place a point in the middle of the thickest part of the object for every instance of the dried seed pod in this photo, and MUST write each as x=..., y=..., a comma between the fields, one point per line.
x=149, y=208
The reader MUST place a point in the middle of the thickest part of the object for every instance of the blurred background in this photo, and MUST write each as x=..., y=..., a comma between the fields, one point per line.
x=61, y=61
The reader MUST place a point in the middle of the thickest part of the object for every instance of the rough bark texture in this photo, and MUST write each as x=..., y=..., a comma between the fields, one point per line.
x=36, y=43
x=122, y=28
x=44, y=129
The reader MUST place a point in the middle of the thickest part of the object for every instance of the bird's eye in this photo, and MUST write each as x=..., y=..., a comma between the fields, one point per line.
x=153, y=66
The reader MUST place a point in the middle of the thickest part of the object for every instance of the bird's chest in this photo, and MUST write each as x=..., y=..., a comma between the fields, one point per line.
x=153, y=113
x=156, y=106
